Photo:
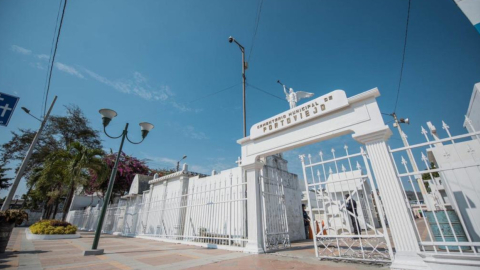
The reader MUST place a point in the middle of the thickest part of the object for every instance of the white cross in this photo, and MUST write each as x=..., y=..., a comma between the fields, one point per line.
x=4, y=109
x=239, y=161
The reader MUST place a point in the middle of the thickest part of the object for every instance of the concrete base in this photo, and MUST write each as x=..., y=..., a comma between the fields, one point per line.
x=253, y=248
x=117, y=233
x=408, y=261
x=93, y=252
x=451, y=261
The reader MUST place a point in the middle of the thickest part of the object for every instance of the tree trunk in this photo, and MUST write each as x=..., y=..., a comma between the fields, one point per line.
x=49, y=211
x=57, y=201
x=68, y=201
x=44, y=212
x=26, y=197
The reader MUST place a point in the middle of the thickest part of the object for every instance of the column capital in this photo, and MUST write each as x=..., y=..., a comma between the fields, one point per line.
x=378, y=135
x=253, y=166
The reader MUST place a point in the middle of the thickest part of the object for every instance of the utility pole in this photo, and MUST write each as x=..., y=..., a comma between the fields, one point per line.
x=244, y=67
x=21, y=170
x=420, y=182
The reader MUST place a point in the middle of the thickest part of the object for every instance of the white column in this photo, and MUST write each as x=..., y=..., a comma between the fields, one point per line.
x=147, y=209
x=184, y=181
x=251, y=173
x=391, y=193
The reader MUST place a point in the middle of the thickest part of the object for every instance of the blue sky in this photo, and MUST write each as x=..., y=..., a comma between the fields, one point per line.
x=150, y=61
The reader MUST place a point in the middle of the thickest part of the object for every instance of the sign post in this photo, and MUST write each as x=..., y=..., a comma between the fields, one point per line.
x=21, y=170
x=7, y=106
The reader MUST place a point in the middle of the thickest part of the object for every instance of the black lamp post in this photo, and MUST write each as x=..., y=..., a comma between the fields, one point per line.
x=244, y=67
x=178, y=162
x=107, y=116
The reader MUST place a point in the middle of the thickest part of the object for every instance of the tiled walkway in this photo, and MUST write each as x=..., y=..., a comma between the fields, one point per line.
x=133, y=253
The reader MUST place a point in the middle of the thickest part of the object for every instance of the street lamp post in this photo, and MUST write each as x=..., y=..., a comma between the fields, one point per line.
x=107, y=116
x=244, y=67
x=178, y=162
x=21, y=170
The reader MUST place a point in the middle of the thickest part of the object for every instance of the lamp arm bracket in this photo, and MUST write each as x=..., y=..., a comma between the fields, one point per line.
x=105, y=131
x=134, y=142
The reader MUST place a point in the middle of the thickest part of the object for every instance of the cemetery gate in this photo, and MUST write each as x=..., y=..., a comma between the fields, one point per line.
x=347, y=216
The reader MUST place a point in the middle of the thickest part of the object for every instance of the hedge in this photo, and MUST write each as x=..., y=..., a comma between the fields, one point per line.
x=53, y=227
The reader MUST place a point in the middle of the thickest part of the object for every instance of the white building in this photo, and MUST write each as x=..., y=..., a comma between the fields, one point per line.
x=473, y=112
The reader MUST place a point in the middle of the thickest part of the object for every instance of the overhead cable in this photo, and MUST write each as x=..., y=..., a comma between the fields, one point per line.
x=42, y=111
x=257, y=21
x=268, y=93
x=53, y=56
x=403, y=58
x=214, y=93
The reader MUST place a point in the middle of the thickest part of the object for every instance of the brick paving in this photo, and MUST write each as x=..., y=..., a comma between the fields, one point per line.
x=134, y=253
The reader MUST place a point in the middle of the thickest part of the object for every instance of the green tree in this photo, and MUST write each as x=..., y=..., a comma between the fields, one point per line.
x=58, y=134
x=427, y=176
x=62, y=172
x=4, y=180
x=81, y=162
x=47, y=185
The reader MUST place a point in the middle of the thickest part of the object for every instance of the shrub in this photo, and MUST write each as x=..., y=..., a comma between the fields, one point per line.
x=14, y=216
x=57, y=223
x=53, y=227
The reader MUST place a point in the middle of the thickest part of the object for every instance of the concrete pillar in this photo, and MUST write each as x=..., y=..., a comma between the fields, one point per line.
x=393, y=200
x=251, y=173
x=184, y=181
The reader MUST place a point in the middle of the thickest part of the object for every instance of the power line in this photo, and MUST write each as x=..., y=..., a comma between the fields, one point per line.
x=214, y=93
x=54, y=54
x=42, y=111
x=257, y=21
x=403, y=57
x=268, y=93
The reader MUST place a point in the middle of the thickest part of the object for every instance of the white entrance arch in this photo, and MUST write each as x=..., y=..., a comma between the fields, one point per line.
x=326, y=117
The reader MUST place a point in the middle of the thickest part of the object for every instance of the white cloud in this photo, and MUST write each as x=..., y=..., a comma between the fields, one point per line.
x=217, y=164
x=68, y=69
x=20, y=50
x=199, y=169
x=169, y=91
x=191, y=133
x=137, y=86
x=43, y=56
x=160, y=162
x=183, y=108
x=38, y=65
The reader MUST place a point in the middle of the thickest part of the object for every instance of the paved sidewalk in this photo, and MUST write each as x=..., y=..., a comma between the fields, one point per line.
x=134, y=253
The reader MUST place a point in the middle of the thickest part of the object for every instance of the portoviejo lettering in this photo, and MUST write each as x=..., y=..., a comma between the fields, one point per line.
x=313, y=109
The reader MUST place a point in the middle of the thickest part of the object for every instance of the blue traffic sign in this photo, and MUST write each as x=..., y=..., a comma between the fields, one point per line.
x=7, y=106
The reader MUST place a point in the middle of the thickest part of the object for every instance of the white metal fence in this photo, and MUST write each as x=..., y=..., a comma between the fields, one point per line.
x=211, y=211
x=347, y=216
x=87, y=220
x=440, y=178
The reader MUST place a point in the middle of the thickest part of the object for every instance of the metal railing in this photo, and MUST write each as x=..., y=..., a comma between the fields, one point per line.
x=87, y=219
x=443, y=197
x=347, y=216
x=211, y=211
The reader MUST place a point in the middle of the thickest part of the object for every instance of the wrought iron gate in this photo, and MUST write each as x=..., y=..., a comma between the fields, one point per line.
x=345, y=210
x=274, y=211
